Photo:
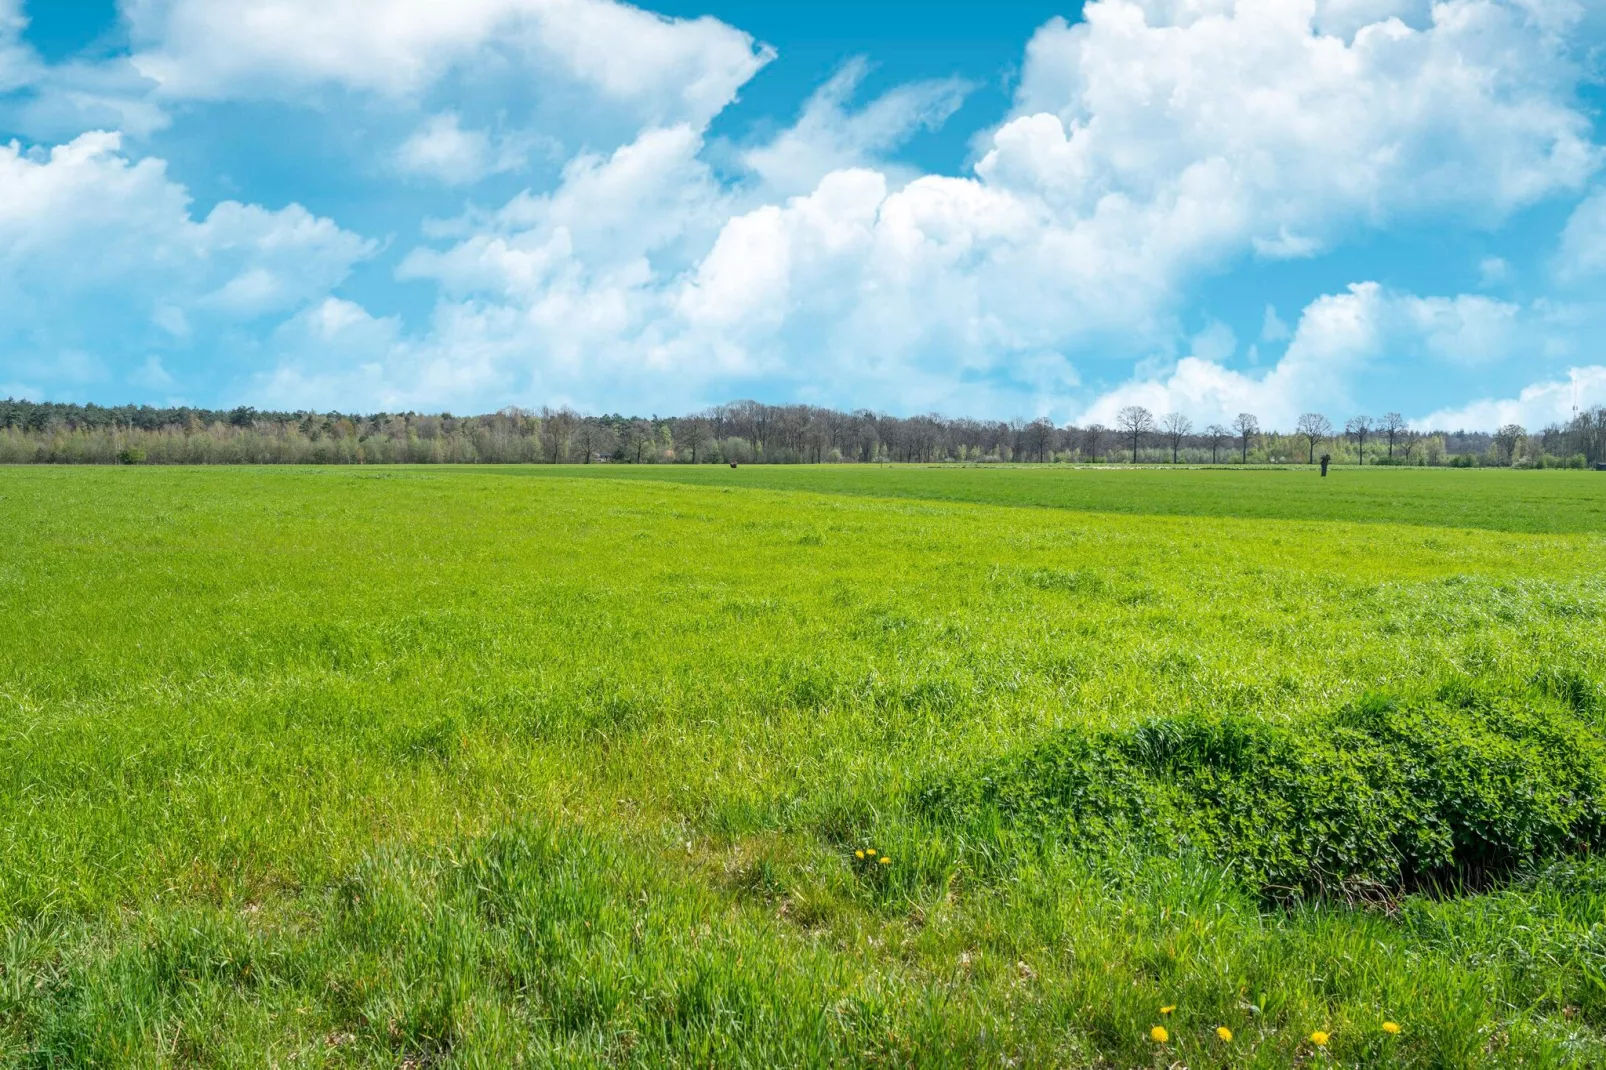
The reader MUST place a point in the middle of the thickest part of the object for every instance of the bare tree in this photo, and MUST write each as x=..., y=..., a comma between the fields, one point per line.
x=593, y=437
x=1040, y=438
x=1393, y=426
x=1218, y=435
x=556, y=428
x=1358, y=428
x=634, y=437
x=1588, y=431
x=1507, y=439
x=691, y=433
x=1135, y=421
x=1247, y=426
x=1092, y=440
x=1177, y=427
x=1313, y=427
x=1409, y=441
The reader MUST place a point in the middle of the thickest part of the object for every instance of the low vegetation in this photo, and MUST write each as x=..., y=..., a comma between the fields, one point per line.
x=665, y=766
x=747, y=432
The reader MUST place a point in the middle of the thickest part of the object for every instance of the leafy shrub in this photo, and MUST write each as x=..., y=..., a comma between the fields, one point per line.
x=1381, y=795
x=131, y=455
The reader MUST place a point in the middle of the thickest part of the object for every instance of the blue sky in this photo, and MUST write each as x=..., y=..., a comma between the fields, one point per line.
x=1005, y=209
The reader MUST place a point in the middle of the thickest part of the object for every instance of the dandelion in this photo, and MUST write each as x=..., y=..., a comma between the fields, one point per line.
x=1319, y=1039
x=1168, y=1010
x=1391, y=1028
x=1224, y=1033
x=885, y=861
x=1159, y=1035
x=859, y=855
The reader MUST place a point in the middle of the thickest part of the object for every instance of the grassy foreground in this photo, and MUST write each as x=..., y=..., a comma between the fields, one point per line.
x=513, y=767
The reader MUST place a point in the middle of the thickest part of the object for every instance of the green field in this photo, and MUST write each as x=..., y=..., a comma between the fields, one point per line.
x=571, y=766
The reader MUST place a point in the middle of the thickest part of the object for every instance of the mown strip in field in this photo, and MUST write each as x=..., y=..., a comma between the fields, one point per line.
x=1488, y=499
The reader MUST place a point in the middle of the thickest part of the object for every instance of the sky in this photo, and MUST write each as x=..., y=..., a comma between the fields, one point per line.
x=1000, y=210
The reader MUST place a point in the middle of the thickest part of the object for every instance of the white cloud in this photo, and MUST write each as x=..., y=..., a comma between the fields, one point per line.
x=1537, y=406
x=1272, y=328
x=1493, y=271
x=18, y=64
x=1583, y=243
x=1337, y=336
x=87, y=195
x=663, y=69
x=1159, y=142
x=1338, y=339
x=83, y=226
x=608, y=215
x=1344, y=18
x=830, y=136
x=1152, y=144
x=1470, y=116
x=152, y=375
x=442, y=150
x=1469, y=329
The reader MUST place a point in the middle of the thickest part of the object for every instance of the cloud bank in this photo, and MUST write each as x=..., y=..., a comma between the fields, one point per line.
x=1151, y=149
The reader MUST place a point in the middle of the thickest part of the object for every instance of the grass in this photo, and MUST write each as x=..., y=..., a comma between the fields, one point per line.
x=1493, y=499
x=567, y=767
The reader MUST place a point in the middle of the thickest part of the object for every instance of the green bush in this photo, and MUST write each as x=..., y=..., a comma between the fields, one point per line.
x=1380, y=796
x=131, y=455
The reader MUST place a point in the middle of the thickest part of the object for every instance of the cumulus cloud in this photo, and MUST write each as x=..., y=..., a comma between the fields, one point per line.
x=18, y=64
x=1151, y=144
x=1154, y=144
x=84, y=227
x=1337, y=336
x=1272, y=327
x=1470, y=116
x=831, y=136
x=441, y=150
x=663, y=69
x=1493, y=271
x=1338, y=342
x=609, y=216
x=1539, y=405
x=1583, y=243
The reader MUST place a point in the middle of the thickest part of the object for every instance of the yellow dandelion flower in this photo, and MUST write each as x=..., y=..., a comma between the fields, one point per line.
x=859, y=855
x=1391, y=1028
x=1168, y=1010
x=1224, y=1033
x=885, y=861
x=1159, y=1035
x=1319, y=1039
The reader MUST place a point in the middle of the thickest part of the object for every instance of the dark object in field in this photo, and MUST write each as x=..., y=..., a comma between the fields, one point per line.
x=1327, y=459
x=733, y=464
x=1601, y=467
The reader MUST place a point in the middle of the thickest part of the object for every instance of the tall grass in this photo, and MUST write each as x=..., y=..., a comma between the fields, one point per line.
x=373, y=767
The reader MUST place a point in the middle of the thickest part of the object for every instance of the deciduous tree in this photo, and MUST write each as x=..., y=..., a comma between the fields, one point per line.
x=557, y=426
x=1247, y=426
x=1357, y=428
x=1314, y=428
x=1134, y=422
x=691, y=434
x=1177, y=428
x=1507, y=439
x=1392, y=427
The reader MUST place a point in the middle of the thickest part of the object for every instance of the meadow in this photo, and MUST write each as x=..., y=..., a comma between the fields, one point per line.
x=675, y=766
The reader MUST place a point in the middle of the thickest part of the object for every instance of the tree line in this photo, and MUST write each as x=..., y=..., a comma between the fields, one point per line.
x=750, y=432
